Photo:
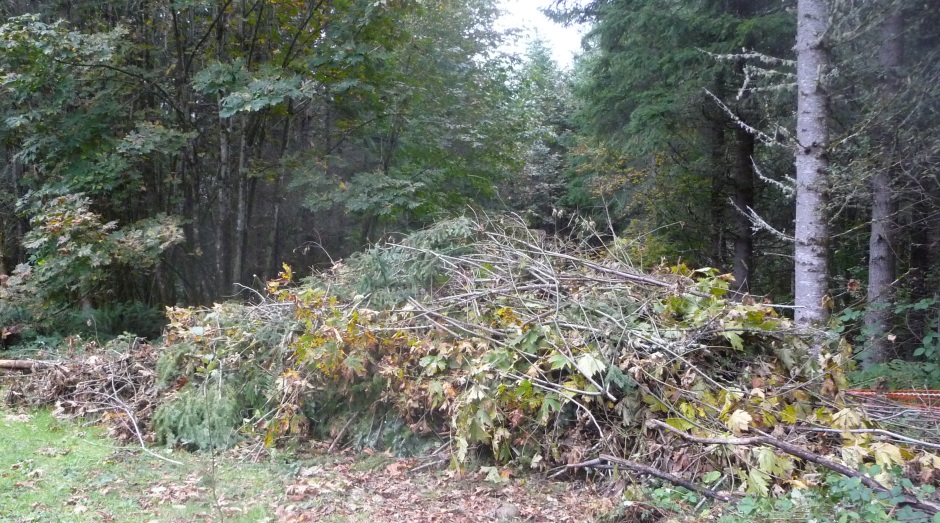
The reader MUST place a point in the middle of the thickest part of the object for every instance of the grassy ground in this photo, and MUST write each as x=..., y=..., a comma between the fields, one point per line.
x=52, y=470
x=67, y=471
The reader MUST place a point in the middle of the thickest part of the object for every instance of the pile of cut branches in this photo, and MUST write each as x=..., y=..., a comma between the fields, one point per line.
x=545, y=352
x=115, y=383
x=489, y=337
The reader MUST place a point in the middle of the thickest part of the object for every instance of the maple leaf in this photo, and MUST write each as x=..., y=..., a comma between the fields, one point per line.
x=589, y=365
x=887, y=454
x=739, y=422
x=395, y=469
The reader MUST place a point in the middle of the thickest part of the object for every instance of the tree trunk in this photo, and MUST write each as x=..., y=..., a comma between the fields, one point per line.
x=269, y=267
x=714, y=134
x=743, y=198
x=3, y=241
x=812, y=135
x=881, y=255
x=222, y=238
x=241, y=210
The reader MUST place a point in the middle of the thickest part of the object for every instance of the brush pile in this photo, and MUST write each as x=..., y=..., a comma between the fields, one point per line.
x=488, y=337
x=115, y=383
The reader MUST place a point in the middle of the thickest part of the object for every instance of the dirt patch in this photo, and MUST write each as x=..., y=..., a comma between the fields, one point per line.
x=339, y=492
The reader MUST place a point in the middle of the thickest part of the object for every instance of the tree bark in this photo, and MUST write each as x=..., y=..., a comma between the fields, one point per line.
x=812, y=135
x=22, y=364
x=714, y=134
x=241, y=209
x=222, y=226
x=743, y=198
x=881, y=253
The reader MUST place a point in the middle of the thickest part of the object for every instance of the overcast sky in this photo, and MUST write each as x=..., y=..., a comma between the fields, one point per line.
x=524, y=14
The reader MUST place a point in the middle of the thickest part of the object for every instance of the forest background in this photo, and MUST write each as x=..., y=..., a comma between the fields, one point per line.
x=162, y=153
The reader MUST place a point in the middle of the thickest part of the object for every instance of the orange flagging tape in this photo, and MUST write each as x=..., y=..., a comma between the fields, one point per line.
x=922, y=398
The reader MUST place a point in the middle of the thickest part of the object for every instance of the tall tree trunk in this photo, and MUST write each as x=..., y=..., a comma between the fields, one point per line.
x=3, y=241
x=222, y=238
x=881, y=255
x=713, y=133
x=812, y=163
x=743, y=198
x=240, y=236
x=241, y=209
x=273, y=255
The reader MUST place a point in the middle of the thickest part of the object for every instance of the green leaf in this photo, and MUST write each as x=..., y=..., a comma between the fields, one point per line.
x=493, y=475
x=462, y=447
x=589, y=365
x=711, y=477
x=617, y=378
x=559, y=361
x=550, y=403
x=679, y=423
x=768, y=461
x=737, y=343
x=757, y=482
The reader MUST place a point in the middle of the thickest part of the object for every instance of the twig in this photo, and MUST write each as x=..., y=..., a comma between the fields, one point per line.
x=342, y=431
x=115, y=402
x=804, y=454
x=880, y=432
x=440, y=460
x=644, y=469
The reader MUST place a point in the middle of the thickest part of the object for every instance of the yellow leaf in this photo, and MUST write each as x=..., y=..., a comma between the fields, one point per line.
x=687, y=410
x=887, y=454
x=853, y=455
x=797, y=484
x=739, y=421
x=930, y=461
x=789, y=414
x=846, y=419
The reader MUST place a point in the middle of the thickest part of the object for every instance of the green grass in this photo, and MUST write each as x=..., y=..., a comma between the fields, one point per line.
x=52, y=470
x=55, y=470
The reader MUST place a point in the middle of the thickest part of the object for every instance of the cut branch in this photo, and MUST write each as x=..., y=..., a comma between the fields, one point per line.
x=22, y=364
x=804, y=454
x=644, y=469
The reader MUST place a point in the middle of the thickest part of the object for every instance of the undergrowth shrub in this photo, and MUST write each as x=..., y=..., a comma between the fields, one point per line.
x=837, y=499
x=205, y=418
x=898, y=374
x=222, y=363
x=29, y=332
x=108, y=321
x=74, y=255
x=915, y=337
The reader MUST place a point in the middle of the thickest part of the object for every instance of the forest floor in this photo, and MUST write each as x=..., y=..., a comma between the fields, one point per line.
x=63, y=470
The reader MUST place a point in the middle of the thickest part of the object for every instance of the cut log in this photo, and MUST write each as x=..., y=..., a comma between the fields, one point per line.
x=22, y=364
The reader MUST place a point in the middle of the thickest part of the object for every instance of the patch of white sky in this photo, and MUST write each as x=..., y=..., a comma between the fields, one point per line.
x=524, y=15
